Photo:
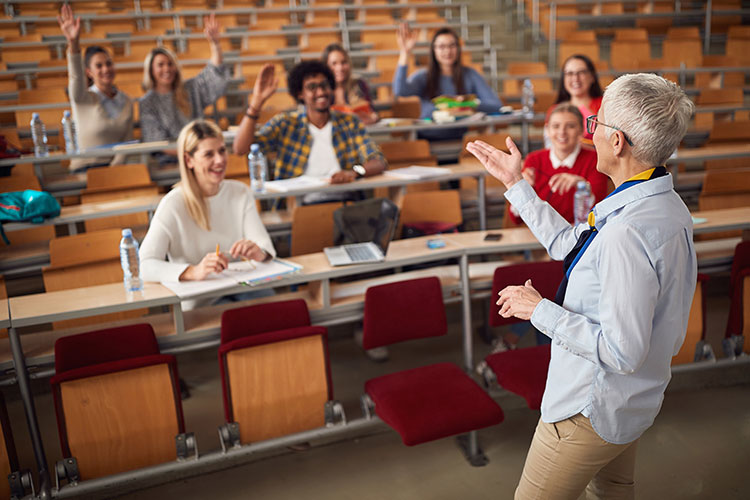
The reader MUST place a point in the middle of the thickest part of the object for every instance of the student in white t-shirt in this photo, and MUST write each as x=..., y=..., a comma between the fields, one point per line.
x=316, y=140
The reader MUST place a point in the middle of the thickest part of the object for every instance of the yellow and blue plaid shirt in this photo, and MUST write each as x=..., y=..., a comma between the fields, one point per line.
x=287, y=134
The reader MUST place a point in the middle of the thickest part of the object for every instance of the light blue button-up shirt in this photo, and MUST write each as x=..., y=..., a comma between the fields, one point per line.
x=626, y=306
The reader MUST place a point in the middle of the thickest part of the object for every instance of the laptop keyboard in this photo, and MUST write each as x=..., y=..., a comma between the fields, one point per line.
x=359, y=253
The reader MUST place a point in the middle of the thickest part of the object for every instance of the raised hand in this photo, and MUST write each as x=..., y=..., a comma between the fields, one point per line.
x=407, y=38
x=265, y=85
x=211, y=28
x=69, y=24
x=247, y=249
x=518, y=301
x=212, y=263
x=503, y=166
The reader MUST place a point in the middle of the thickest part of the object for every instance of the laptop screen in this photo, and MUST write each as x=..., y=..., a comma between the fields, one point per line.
x=372, y=220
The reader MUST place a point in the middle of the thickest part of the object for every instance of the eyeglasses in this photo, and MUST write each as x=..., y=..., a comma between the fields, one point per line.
x=449, y=46
x=322, y=85
x=592, y=122
x=576, y=74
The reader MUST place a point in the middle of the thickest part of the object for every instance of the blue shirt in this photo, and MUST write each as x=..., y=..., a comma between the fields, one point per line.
x=417, y=83
x=626, y=306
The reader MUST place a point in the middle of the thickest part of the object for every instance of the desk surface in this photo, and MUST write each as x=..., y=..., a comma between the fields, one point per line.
x=712, y=152
x=728, y=219
x=89, y=301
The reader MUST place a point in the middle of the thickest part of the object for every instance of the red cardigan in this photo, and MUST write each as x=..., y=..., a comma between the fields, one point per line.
x=585, y=166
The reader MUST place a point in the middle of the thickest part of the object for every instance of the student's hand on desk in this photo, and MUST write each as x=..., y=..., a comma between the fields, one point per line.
x=211, y=263
x=503, y=166
x=562, y=183
x=247, y=249
x=518, y=301
x=343, y=177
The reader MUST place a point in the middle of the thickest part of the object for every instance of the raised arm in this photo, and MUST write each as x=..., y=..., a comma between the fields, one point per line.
x=212, y=30
x=264, y=87
x=70, y=27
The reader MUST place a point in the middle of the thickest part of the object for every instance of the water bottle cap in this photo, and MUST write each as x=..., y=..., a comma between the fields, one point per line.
x=580, y=185
x=34, y=115
x=255, y=148
x=127, y=232
x=66, y=113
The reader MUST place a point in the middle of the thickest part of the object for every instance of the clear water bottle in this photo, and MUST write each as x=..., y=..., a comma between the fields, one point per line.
x=39, y=135
x=256, y=164
x=582, y=202
x=527, y=96
x=129, y=261
x=69, y=133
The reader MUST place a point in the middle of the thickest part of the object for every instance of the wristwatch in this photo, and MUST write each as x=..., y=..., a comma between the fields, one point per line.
x=360, y=171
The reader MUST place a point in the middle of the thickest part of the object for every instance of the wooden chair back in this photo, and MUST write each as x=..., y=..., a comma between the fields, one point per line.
x=83, y=260
x=432, y=206
x=718, y=97
x=100, y=418
x=312, y=227
x=729, y=132
x=405, y=153
x=657, y=25
x=512, y=86
x=687, y=51
x=26, y=236
x=719, y=79
x=115, y=183
x=237, y=167
x=629, y=54
x=724, y=189
x=279, y=388
x=406, y=107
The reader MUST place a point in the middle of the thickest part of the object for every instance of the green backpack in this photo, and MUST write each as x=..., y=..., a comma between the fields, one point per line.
x=26, y=206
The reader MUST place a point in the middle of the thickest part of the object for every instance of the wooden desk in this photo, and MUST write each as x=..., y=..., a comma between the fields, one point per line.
x=712, y=152
x=727, y=219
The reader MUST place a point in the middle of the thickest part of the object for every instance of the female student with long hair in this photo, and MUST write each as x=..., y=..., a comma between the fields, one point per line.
x=103, y=114
x=445, y=75
x=579, y=84
x=170, y=102
x=203, y=213
x=350, y=93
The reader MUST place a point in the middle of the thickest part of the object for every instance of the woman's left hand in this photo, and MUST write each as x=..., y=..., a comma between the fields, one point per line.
x=211, y=28
x=247, y=249
x=518, y=301
x=562, y=183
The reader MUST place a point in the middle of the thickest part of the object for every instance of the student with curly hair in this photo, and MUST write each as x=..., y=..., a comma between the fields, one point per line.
x=316, y=140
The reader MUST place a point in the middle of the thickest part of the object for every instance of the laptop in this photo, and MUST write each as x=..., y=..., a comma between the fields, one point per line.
x=380, y=232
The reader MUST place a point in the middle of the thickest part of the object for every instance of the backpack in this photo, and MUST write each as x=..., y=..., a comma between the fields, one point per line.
x=26, y=206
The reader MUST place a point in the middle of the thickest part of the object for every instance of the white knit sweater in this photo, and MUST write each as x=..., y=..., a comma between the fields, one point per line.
x=175, y=241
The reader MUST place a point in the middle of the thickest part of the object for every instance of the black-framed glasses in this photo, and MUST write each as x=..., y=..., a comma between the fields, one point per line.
x=313, y=86
x=592, y=122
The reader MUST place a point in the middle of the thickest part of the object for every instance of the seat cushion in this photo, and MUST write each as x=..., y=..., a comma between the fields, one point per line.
x=522, y=372
x=432, y=402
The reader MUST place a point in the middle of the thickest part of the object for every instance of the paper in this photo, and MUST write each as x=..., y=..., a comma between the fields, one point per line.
x=417, y=172
x=301, y=182
x=238, y=272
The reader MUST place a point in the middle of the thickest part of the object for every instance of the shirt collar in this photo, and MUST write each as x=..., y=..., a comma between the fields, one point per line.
x=94, y=88
x=607, y=206
x=566, y=162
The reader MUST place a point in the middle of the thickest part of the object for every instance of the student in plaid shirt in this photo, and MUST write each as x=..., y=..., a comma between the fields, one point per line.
x=316, y=141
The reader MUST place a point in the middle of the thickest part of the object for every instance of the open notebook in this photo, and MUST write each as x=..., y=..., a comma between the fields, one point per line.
x=245, y=273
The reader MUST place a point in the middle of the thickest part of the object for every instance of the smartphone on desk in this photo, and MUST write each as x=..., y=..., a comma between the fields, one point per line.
x=493, y=237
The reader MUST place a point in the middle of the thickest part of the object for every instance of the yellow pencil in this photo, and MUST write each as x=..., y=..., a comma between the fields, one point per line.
x=217, y=250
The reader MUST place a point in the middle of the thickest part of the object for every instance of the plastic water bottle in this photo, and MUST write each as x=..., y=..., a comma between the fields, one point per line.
x=582, y=202
x=39, y=135
x=129, y=261
x=256, y=164
x=527, y=96
x=69, y=133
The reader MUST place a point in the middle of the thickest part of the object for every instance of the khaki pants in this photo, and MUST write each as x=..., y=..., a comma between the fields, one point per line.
x=569, y=456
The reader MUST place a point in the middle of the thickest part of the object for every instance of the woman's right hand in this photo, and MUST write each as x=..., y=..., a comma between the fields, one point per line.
x=265, y=86
x=69, y=24
x=407, y=38
x=211, y=263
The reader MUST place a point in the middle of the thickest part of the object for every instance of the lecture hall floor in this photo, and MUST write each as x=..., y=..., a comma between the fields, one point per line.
x=699, y=447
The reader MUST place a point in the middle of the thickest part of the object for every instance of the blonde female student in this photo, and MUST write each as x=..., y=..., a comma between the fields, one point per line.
x=205, y=221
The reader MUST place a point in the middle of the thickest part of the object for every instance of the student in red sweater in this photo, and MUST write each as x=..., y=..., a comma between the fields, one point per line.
x=554, y=172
